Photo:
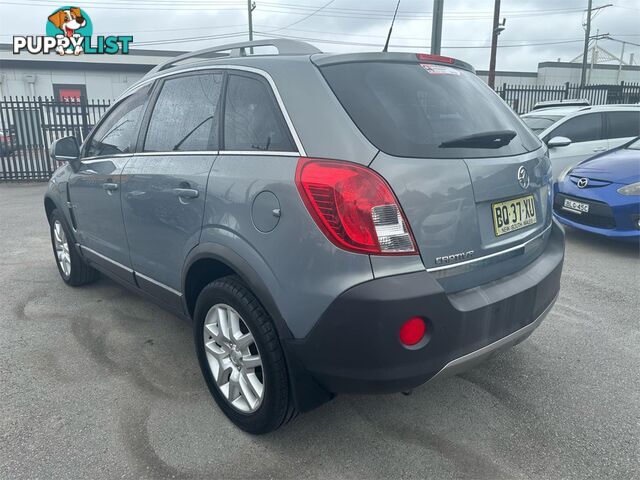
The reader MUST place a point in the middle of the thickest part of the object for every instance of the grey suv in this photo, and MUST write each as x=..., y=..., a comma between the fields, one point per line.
x=330, y=223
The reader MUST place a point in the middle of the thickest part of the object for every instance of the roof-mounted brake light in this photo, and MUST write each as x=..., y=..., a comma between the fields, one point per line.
x=426, y=57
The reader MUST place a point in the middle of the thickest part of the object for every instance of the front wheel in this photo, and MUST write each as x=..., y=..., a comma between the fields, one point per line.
x=72, y=267
x=241, y=358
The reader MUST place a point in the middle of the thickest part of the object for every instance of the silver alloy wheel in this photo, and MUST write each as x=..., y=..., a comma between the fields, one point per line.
x=62, y=248
x=234, y=359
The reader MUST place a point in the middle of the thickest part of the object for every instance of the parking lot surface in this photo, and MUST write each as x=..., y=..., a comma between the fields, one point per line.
x=96, y=382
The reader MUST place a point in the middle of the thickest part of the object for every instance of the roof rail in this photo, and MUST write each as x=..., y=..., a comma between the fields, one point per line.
x=283, y=45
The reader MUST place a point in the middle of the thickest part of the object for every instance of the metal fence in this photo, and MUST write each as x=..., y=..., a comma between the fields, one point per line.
x=28, y=126
x=522, y=98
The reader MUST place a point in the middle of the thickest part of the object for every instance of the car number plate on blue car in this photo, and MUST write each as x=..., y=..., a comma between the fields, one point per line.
x=576, y=207
x=513, y=214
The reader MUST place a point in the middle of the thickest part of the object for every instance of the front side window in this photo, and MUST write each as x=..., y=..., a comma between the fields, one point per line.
x=583, y=128
x=118, y=133
x=623, y=124
x=252, y=119
x=185, y=116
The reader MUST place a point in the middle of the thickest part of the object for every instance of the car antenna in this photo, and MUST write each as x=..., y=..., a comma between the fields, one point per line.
x=386, y=44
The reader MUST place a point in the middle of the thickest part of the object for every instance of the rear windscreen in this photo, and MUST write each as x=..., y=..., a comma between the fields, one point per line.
x=410, y=110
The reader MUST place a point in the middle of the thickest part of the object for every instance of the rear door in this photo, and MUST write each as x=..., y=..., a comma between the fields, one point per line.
x=622, y=126
x=95, y=189
x=450, y=149
x=587, y=136
x=163, y=193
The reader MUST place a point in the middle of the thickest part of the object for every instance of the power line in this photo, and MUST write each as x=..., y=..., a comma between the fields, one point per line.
x=189, y=39
x=231, y=7
x=207, y=3
x=306, y=17
x=364, y=44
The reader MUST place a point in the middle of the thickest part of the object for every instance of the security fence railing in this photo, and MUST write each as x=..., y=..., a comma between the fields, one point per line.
x=28, y=126
x=522, y=98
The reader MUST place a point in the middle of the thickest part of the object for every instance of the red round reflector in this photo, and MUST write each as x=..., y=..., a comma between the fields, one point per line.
x=412, y=331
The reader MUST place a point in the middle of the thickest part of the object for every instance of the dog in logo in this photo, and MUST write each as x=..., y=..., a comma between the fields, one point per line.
x=68, y=20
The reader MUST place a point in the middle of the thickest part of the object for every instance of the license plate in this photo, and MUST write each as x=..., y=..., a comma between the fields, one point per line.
x=577, y=207
x=513, y=214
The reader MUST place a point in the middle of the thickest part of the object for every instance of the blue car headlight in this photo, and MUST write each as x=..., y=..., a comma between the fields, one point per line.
x=632, y=189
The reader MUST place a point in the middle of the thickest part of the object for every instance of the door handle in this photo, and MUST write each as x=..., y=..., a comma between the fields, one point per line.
x=186, y=192
x=110, y=187
x=599, y=149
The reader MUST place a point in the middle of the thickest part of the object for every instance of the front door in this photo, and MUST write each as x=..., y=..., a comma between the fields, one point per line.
x=164, y=186
x=95, y=189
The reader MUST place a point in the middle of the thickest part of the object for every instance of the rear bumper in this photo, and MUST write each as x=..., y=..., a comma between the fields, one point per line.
x=355, y=347
x=471, y=359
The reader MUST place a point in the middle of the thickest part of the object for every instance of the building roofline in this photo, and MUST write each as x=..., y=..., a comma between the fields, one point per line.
x=132, y=51
x=597, y=66
x=86, y=66
x=508, y=73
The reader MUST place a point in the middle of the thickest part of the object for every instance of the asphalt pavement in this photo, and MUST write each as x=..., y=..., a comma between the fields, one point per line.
x=96, y=382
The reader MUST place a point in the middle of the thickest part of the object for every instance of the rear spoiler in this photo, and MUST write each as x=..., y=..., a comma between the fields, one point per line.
x=323, y=59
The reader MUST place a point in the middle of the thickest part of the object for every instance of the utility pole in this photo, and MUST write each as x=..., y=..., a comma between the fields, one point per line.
x=436, y=27
x=585, y=51
x=620, y=63
x=494, y=44
x=594, y=55
x=251, y=6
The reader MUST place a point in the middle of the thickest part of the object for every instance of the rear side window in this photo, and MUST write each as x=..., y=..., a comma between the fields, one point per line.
x=410, y=110
x=185, y=115
x=583, y=128
x=252, y=118
x=118, y=132
x=623, y=124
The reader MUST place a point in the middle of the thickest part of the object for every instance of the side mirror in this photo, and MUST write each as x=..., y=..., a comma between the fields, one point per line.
x=65, y=149
x=559, y=142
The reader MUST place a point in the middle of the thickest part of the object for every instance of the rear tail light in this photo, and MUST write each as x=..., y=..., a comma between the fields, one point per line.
x=426, y=57
x=354, y=207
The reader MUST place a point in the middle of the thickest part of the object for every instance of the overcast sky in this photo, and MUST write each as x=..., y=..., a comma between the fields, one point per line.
x=555, y=26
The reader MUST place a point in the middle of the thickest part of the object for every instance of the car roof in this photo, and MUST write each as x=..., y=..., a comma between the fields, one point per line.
x=612, y=107
x=559, y=111
x=565, y=102
x=287, y=50
x=576, y=109
x=336, y=58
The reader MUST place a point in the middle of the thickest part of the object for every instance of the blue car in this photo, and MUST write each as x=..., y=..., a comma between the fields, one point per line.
x=602, y=194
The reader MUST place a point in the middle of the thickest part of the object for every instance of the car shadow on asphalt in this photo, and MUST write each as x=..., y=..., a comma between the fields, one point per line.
x=621, y=248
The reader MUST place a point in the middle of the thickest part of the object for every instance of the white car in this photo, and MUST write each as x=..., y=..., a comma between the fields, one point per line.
x=574, y=133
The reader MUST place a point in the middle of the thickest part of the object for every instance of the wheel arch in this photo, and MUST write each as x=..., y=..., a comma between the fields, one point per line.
x=208, y=262
x=49, y=206
x=215, y=259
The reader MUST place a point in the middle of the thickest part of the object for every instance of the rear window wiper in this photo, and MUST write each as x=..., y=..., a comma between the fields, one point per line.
x=496, y=139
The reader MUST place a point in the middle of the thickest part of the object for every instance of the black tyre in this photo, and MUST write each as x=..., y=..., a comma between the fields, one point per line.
x=241, y=358
x=72, y=267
